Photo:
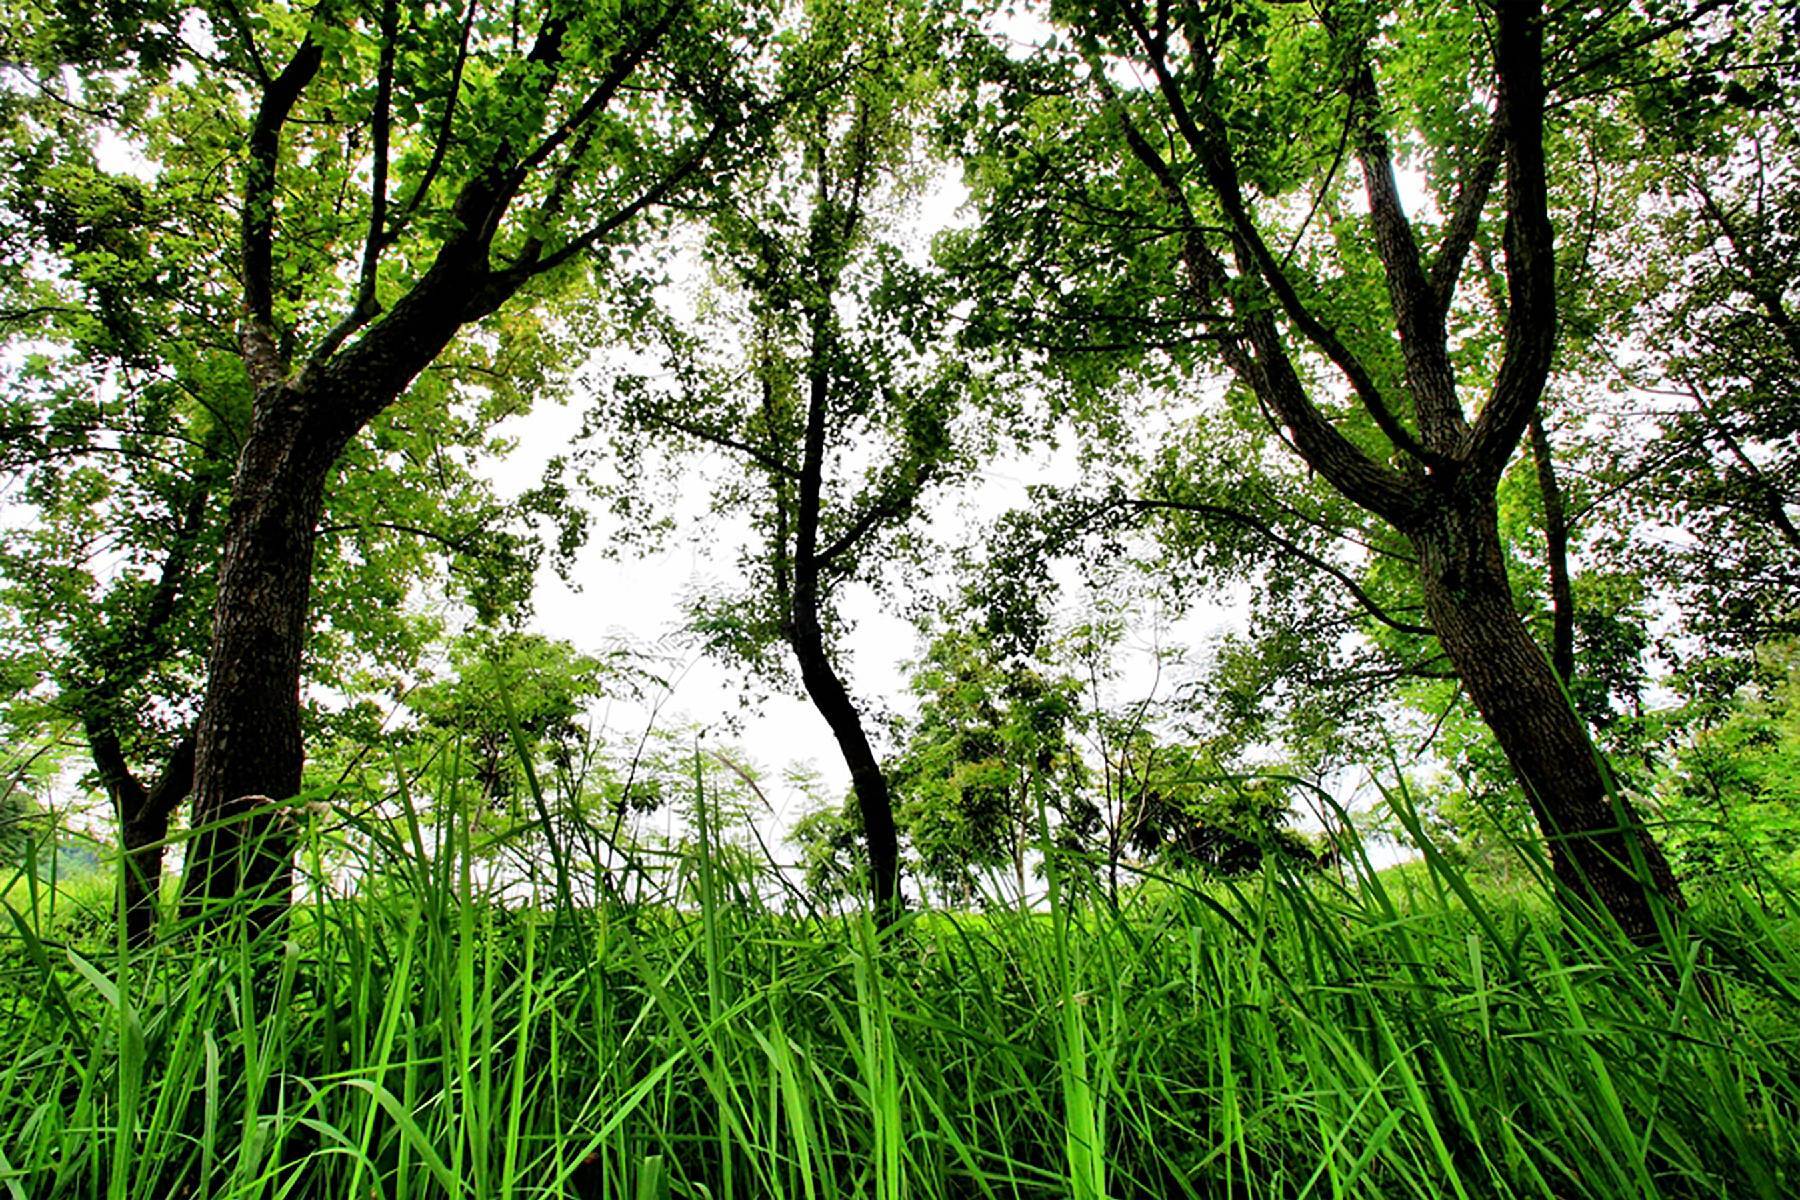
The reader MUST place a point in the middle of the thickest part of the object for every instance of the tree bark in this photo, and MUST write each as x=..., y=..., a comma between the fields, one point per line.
x=249, y=738
x=1600, y=851
x=248, y=742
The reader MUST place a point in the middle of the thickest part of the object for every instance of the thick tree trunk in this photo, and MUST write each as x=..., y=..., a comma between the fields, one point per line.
x=832, y=699
x=248, y=740
x=1600, y=850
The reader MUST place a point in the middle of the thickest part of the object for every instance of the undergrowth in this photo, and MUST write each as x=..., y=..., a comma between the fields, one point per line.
x=428, y=1034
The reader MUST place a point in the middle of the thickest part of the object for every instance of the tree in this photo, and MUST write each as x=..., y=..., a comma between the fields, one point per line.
x=1349, y=331
x=989, y=755
x=404, y=172
x=128, y=406
x=1734, y=787
x=514, y=702
x=1707, y=505
x=1187, y=808
x=821, y=379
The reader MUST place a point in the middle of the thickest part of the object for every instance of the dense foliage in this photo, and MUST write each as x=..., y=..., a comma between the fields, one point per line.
x=1449, y=354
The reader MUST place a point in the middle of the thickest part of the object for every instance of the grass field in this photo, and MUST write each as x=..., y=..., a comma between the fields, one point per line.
x=1401, y=1034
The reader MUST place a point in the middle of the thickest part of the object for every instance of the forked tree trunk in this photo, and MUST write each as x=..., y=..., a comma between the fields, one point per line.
x=308, y=409
x=143, y=814
x=142, y=833
x=1601, y=852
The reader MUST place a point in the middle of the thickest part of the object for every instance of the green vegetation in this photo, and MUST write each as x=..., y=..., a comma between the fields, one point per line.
x=1371, y=1035
x=1451, y=352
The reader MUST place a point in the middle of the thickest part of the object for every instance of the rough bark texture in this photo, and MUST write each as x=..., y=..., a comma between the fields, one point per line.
x=248, y=739
x=1599, y=848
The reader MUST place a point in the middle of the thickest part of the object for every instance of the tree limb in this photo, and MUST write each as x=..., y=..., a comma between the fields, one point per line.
x=1262, y=362
x=1246, y=521
x=1465, y=215
x=1530, y=246
x=365, y=306
x=1210, y=148
x=260, y=339
x=1418, y=312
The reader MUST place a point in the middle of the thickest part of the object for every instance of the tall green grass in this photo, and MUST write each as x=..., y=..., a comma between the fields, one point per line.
x=1370, y=1035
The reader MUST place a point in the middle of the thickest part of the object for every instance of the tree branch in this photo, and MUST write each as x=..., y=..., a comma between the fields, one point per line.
x=1530, y=246
x=1418, y=312
x=365, y=306
x=441, y=145
x=1209, y=146
x=715, y=437
x=1245, y=520
x=1465, y=215
x=891, y=505
x=1263, y=363
x=260, y=340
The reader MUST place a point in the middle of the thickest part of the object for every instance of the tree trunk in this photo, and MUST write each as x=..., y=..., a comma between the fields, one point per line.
x=1600, y=850
x=1556, y=555
x=248, y=739
x=832, y=699
x=142, y=833
x=143, y=815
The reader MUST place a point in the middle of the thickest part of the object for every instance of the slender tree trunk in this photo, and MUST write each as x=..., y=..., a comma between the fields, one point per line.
x=141, y=841
x=806, y=636
x=142, y=835
x=249, y=751
x=1600, y=850
x=1556, y=555
x=873, y=801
